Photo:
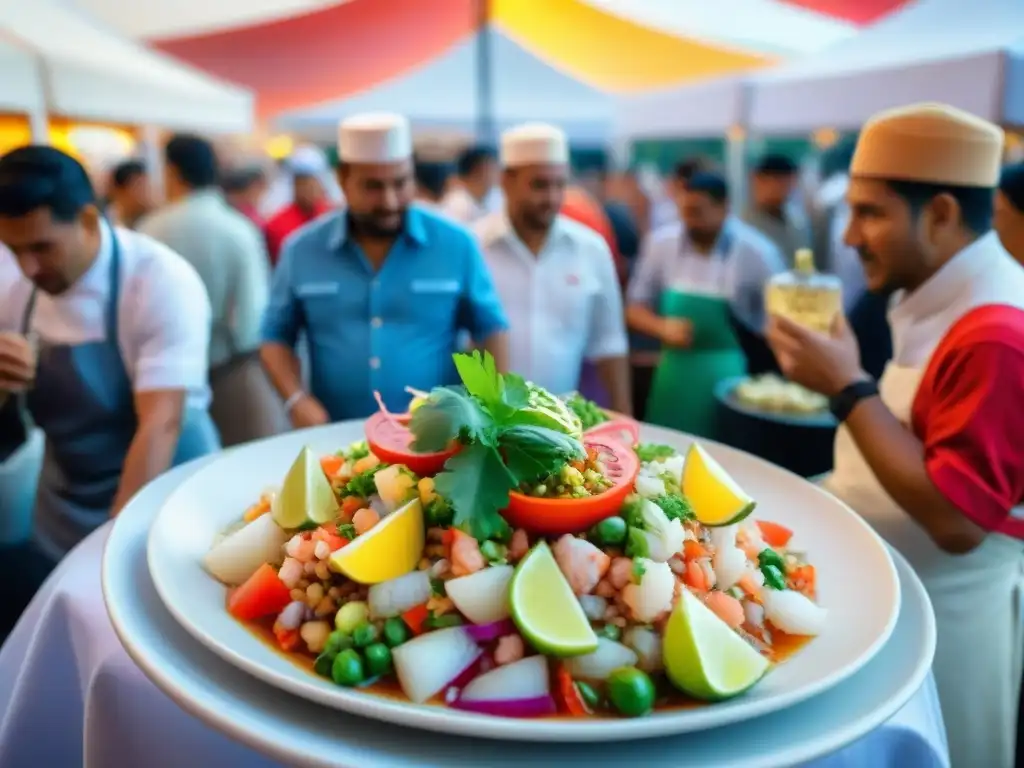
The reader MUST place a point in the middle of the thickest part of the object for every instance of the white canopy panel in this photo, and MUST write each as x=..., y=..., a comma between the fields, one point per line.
x=22, y=90
x=440, y=97
x=93, y=74
x=704, y=109
x=968, y=54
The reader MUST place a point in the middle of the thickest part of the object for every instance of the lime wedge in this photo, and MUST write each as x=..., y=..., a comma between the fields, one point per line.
x=306, y=496
x=704, y=657
x=545, y=609
x=715, y=497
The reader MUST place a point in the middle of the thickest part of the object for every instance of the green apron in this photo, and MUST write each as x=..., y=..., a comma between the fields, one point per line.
x=683, y=391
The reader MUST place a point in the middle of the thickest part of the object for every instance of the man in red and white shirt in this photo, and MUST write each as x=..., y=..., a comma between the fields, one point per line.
x=308, y=167
x=933, y=455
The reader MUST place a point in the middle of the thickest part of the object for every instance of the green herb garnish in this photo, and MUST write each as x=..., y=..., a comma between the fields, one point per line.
x=347, y=530
x=773, y=568
x=674, y=506
x=652, y=452
x=362, y=485
x=638, y=571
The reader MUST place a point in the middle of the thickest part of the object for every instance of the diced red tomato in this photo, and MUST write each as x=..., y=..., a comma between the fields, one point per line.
x=803, y=578
x=263, y=594
x=287, y=639
x=774, y=535
x=415, y=618
x=694, y=550
x=333, y=540
x=568, y=695
x=331, y=465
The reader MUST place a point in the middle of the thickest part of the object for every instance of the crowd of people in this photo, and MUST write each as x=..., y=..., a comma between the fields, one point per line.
x=138, y=336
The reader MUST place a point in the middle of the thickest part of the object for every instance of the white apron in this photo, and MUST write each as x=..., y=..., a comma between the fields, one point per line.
x=978, y=600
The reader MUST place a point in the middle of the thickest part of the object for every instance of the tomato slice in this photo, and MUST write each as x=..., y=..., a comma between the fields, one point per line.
x=557, y=516
x=389, y=439
x=621, y=429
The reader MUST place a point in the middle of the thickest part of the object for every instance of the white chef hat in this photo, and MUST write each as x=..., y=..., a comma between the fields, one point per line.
x=308, y=161
x=534, y=144
x=379, y=137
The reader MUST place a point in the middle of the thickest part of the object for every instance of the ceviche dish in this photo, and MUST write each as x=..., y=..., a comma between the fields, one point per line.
x=504, y=551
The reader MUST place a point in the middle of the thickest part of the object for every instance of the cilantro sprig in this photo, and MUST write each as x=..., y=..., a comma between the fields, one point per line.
x=501, y=446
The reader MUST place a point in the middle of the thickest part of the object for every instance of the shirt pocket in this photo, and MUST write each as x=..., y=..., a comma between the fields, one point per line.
x=433, y=302
x=321, y=304
x=571, y=297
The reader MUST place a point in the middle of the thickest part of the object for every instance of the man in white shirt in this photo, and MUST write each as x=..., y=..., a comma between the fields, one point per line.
x=230, y=255
x=103, y=342
x=474, y=194
x=556, y=278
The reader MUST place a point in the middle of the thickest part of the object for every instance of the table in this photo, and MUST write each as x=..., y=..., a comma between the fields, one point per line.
x=63, y=666
x=802, y=443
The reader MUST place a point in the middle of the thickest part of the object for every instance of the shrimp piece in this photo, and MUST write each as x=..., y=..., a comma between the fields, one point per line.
x=364, y=520
x=621, y=572
x=581, y=562
x=291, y=572
x=465, y=555
x=366, y=463
x=510, y=648
x=726, y=607
x=519, y=545
x=604, y=589
x=306, y=550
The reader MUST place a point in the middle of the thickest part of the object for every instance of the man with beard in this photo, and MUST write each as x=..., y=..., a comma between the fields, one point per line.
x=381, y=289
x=698, y=288
x=932, y=455
x=556, y=276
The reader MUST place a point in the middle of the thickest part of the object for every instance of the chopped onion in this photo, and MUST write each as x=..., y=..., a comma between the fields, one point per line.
x=396, y=596
x=482, y=597
x=521, y=680
x=485, y=633
x=429, y=663
x=647, y=645
x=793, y=612
x=238, y=556
x=594, y=606
x=599, y=664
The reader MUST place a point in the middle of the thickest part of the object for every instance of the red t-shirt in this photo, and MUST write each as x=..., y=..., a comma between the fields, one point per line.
x=969, y=413
x=286, y=221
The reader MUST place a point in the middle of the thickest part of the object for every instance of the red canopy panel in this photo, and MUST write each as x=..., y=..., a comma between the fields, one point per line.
x=860, y=12
x=330, y=53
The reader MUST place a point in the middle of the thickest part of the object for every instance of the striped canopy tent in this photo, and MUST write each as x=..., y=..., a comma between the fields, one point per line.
x=298, y=53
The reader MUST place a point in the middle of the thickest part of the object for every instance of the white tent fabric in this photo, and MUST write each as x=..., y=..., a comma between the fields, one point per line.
x=705, y=109
x=22, y=90
x=440, y=97
x=92, y=73
x=968, y=54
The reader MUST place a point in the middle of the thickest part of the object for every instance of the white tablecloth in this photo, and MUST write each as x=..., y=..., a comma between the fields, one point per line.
x=70, y=696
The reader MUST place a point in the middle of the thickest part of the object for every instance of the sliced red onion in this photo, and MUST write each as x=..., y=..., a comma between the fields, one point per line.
x=473, y=670
x=485, y=633
x=539, y=706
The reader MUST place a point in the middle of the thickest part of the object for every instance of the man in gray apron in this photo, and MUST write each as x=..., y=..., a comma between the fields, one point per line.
x=118, y=384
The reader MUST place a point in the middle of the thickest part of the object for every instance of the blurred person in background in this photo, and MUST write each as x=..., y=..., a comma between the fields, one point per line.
x=381, y=289
x=556, y=277
x=699, y=289
x=129, y=194
x=308, y=166
x=1009, y=210
x=619, y=195
x=472, y=197
x=103, y=344
x=230, y=255
x=431, y=182
x=243, y=189
x=772, y=211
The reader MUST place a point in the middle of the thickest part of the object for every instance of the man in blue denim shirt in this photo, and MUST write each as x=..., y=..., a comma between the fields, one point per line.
x=381, y=289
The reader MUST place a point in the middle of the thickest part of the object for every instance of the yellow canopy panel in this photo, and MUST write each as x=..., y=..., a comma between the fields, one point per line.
x=611, y=52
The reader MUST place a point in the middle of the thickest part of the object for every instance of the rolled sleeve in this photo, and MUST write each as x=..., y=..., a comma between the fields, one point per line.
x=170, y=327
x=607, y=324
x=647, y=283
x=482, y=314
x=973, y=450
x=282, y=319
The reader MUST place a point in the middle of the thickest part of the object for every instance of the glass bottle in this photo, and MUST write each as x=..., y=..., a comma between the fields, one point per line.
x=804, y=295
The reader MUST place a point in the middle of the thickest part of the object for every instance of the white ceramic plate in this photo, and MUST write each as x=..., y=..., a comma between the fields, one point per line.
x=857, y=583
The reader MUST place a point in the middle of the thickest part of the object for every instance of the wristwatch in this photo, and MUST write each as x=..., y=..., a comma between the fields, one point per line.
x=843, y=403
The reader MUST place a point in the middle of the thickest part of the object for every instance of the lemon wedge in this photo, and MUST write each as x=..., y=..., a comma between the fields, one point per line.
x=715, y=497
x=392, y=548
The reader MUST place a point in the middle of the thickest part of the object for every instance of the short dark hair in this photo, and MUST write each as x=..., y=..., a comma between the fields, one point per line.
x=711, y=184
x=125, y=173
x=975, y=202
x=39, y=176
x=194, y=159
x=775, y=165
x=433, y=176
x=1011, y=184
x=473, y=158
x=686, y=169
x=240, y=179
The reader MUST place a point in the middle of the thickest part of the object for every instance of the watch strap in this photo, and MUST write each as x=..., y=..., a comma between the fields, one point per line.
x=842, y=404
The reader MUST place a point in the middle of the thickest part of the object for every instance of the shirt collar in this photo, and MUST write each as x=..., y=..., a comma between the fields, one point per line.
x=415, y=229
x=498, y=227
x=947, y=284
x=97, y=276
x=723, y=244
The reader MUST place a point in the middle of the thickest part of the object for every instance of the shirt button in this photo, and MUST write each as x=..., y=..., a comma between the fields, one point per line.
x=376, y=322
x=375, y=363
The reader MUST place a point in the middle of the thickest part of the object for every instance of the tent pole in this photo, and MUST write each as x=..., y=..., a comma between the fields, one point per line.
x=484, y=74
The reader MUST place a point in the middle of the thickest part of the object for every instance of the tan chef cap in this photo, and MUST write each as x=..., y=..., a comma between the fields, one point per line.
x=373, y=138
x=534, y=144
x=932, y=144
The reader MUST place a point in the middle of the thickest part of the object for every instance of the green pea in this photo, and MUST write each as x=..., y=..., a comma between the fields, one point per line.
x=378, y=659
x=773, y=577
x=396, y=631
x=590, y=696
x=610, y=631
x=337, y=642
x=631, y=691
x=611, y=531
x=348, y=669
x=364, y=634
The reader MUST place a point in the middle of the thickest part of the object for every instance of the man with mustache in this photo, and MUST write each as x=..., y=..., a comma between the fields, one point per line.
x=931, y=455
x=381, y=289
